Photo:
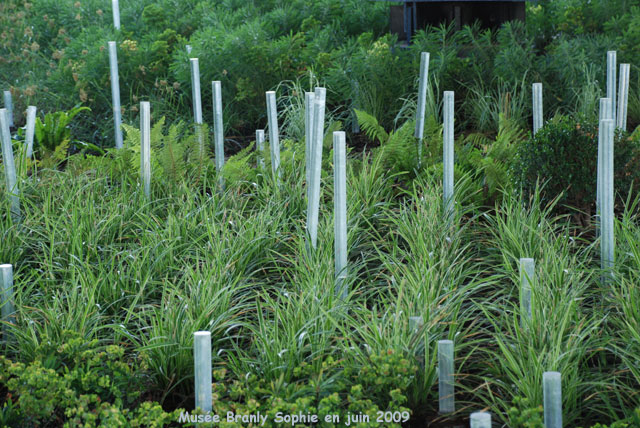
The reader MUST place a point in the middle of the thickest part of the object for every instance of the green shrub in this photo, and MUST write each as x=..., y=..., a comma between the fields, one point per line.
x=564, y=154
x=79, y=383
x=379, y=385
x=524, y=415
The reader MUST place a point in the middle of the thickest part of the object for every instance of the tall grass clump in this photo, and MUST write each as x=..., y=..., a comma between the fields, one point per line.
x=563, y=332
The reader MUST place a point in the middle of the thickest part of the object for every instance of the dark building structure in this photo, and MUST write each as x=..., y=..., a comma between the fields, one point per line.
x=410, y=16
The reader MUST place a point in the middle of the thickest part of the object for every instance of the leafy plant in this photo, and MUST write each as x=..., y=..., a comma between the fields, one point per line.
x=399, y=148
x=523, y=415
x=53, y=137
x=489, y=160
x=79, y=381
x=386, y=377
x=563, y=154
x=175, y=156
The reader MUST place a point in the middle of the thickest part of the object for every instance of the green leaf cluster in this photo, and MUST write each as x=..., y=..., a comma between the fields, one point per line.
x=375, y=386
x=563, y=155
x=79, y=382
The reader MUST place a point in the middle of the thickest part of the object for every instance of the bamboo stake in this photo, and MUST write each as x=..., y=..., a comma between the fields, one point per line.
x=313, y=204
x=115, y=93
x=145, y=147
x=340, y=212
x=116, y=14
x=537, y=107
x=445, y=376
x=448, y=138
x=218, y=125
x=202, y=372
x=422, y=101
x=611, y=81
x=274, y=138
x=9, y=166
x=260, y=147
x=31, y=127
x=623, y=99
x=552, y=391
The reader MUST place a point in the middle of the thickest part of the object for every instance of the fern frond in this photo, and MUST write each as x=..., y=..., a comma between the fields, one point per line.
x=371, y=127
x=399, y=152
x=156, y=136
x=132, y=138
x=238, y=167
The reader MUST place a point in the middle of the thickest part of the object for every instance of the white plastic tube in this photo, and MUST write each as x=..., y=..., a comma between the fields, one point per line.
x=607, y=246
x=415, y=323
x=218, y=124
x=340, y=212
x=9, y=165
x=308, y=133
x=8, y=104
x=611, y=81
x=445, y=376
x=623, y=96
x=448, y=138
x=116, y=13
x=31, y=127
x=202, y=372
x=145, y=147
x=480, y=420
x=422, y=101
x=197, y=103
x=313, y=204
x=552, y=392
x=527, y=279
x=115, y=93
x=7, y=301
x=422, y=95
x=605, y=113
x=260, y=147
x=537, y=107
x=274, y=138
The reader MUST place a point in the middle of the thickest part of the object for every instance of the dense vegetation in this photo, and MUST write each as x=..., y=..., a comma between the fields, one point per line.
x=110, y=286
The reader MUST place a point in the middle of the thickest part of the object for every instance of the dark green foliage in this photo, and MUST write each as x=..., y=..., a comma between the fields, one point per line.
x=523, y=415
x=488, y=160
x=81, y=382
x=377, y=385
x=55, y=129
x=398, y=150
x=52, y=139
x=564, y=154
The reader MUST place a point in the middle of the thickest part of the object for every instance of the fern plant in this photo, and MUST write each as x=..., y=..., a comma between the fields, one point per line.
x=488, y=160
x=399, y=148
x=53, y=138
x=175, y=155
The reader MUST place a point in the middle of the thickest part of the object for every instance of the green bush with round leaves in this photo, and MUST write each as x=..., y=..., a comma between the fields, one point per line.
x=564, y=155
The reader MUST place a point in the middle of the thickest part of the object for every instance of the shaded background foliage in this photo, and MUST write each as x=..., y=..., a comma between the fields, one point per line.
x=53, y=54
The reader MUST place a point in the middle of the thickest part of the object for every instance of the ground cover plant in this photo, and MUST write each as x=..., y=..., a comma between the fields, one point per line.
x=110, y=284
